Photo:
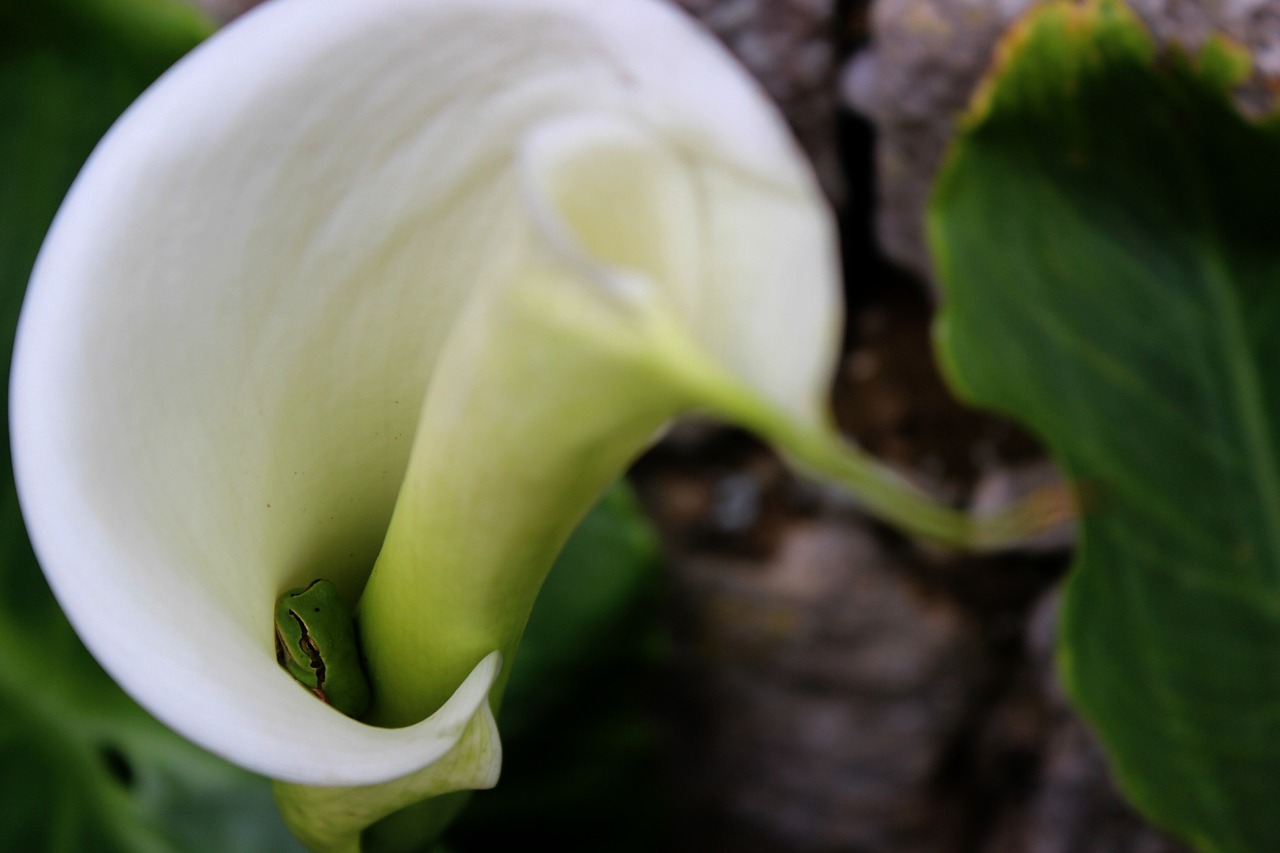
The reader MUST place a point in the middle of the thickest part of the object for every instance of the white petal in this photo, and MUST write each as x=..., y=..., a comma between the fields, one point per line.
x=745, y=259
x=232, y=325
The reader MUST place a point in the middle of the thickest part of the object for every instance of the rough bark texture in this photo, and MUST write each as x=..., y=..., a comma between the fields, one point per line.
x=845, y=687
x=788, y=46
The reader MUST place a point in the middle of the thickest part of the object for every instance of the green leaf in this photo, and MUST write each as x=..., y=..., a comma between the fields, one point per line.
x=1108, y=232
x=83, y=767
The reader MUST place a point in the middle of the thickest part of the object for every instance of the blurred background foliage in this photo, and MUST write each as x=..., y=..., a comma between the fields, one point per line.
x=82, y=767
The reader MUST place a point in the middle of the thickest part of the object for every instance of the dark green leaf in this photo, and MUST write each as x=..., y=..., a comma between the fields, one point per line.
x=1108, y=231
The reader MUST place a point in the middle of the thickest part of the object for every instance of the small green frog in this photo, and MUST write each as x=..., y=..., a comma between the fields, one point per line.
x=316, y=642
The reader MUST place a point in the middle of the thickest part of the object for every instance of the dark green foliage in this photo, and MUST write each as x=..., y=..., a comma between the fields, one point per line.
x=1108, y=232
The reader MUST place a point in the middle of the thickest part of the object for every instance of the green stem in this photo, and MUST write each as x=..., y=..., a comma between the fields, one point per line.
x=885, y=494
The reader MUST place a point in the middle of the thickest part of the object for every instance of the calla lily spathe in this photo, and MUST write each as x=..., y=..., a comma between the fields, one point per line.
x=451, y=251
x=401, y=284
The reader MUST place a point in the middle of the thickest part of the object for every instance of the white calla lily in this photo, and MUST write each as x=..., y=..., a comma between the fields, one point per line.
x=404, y=282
